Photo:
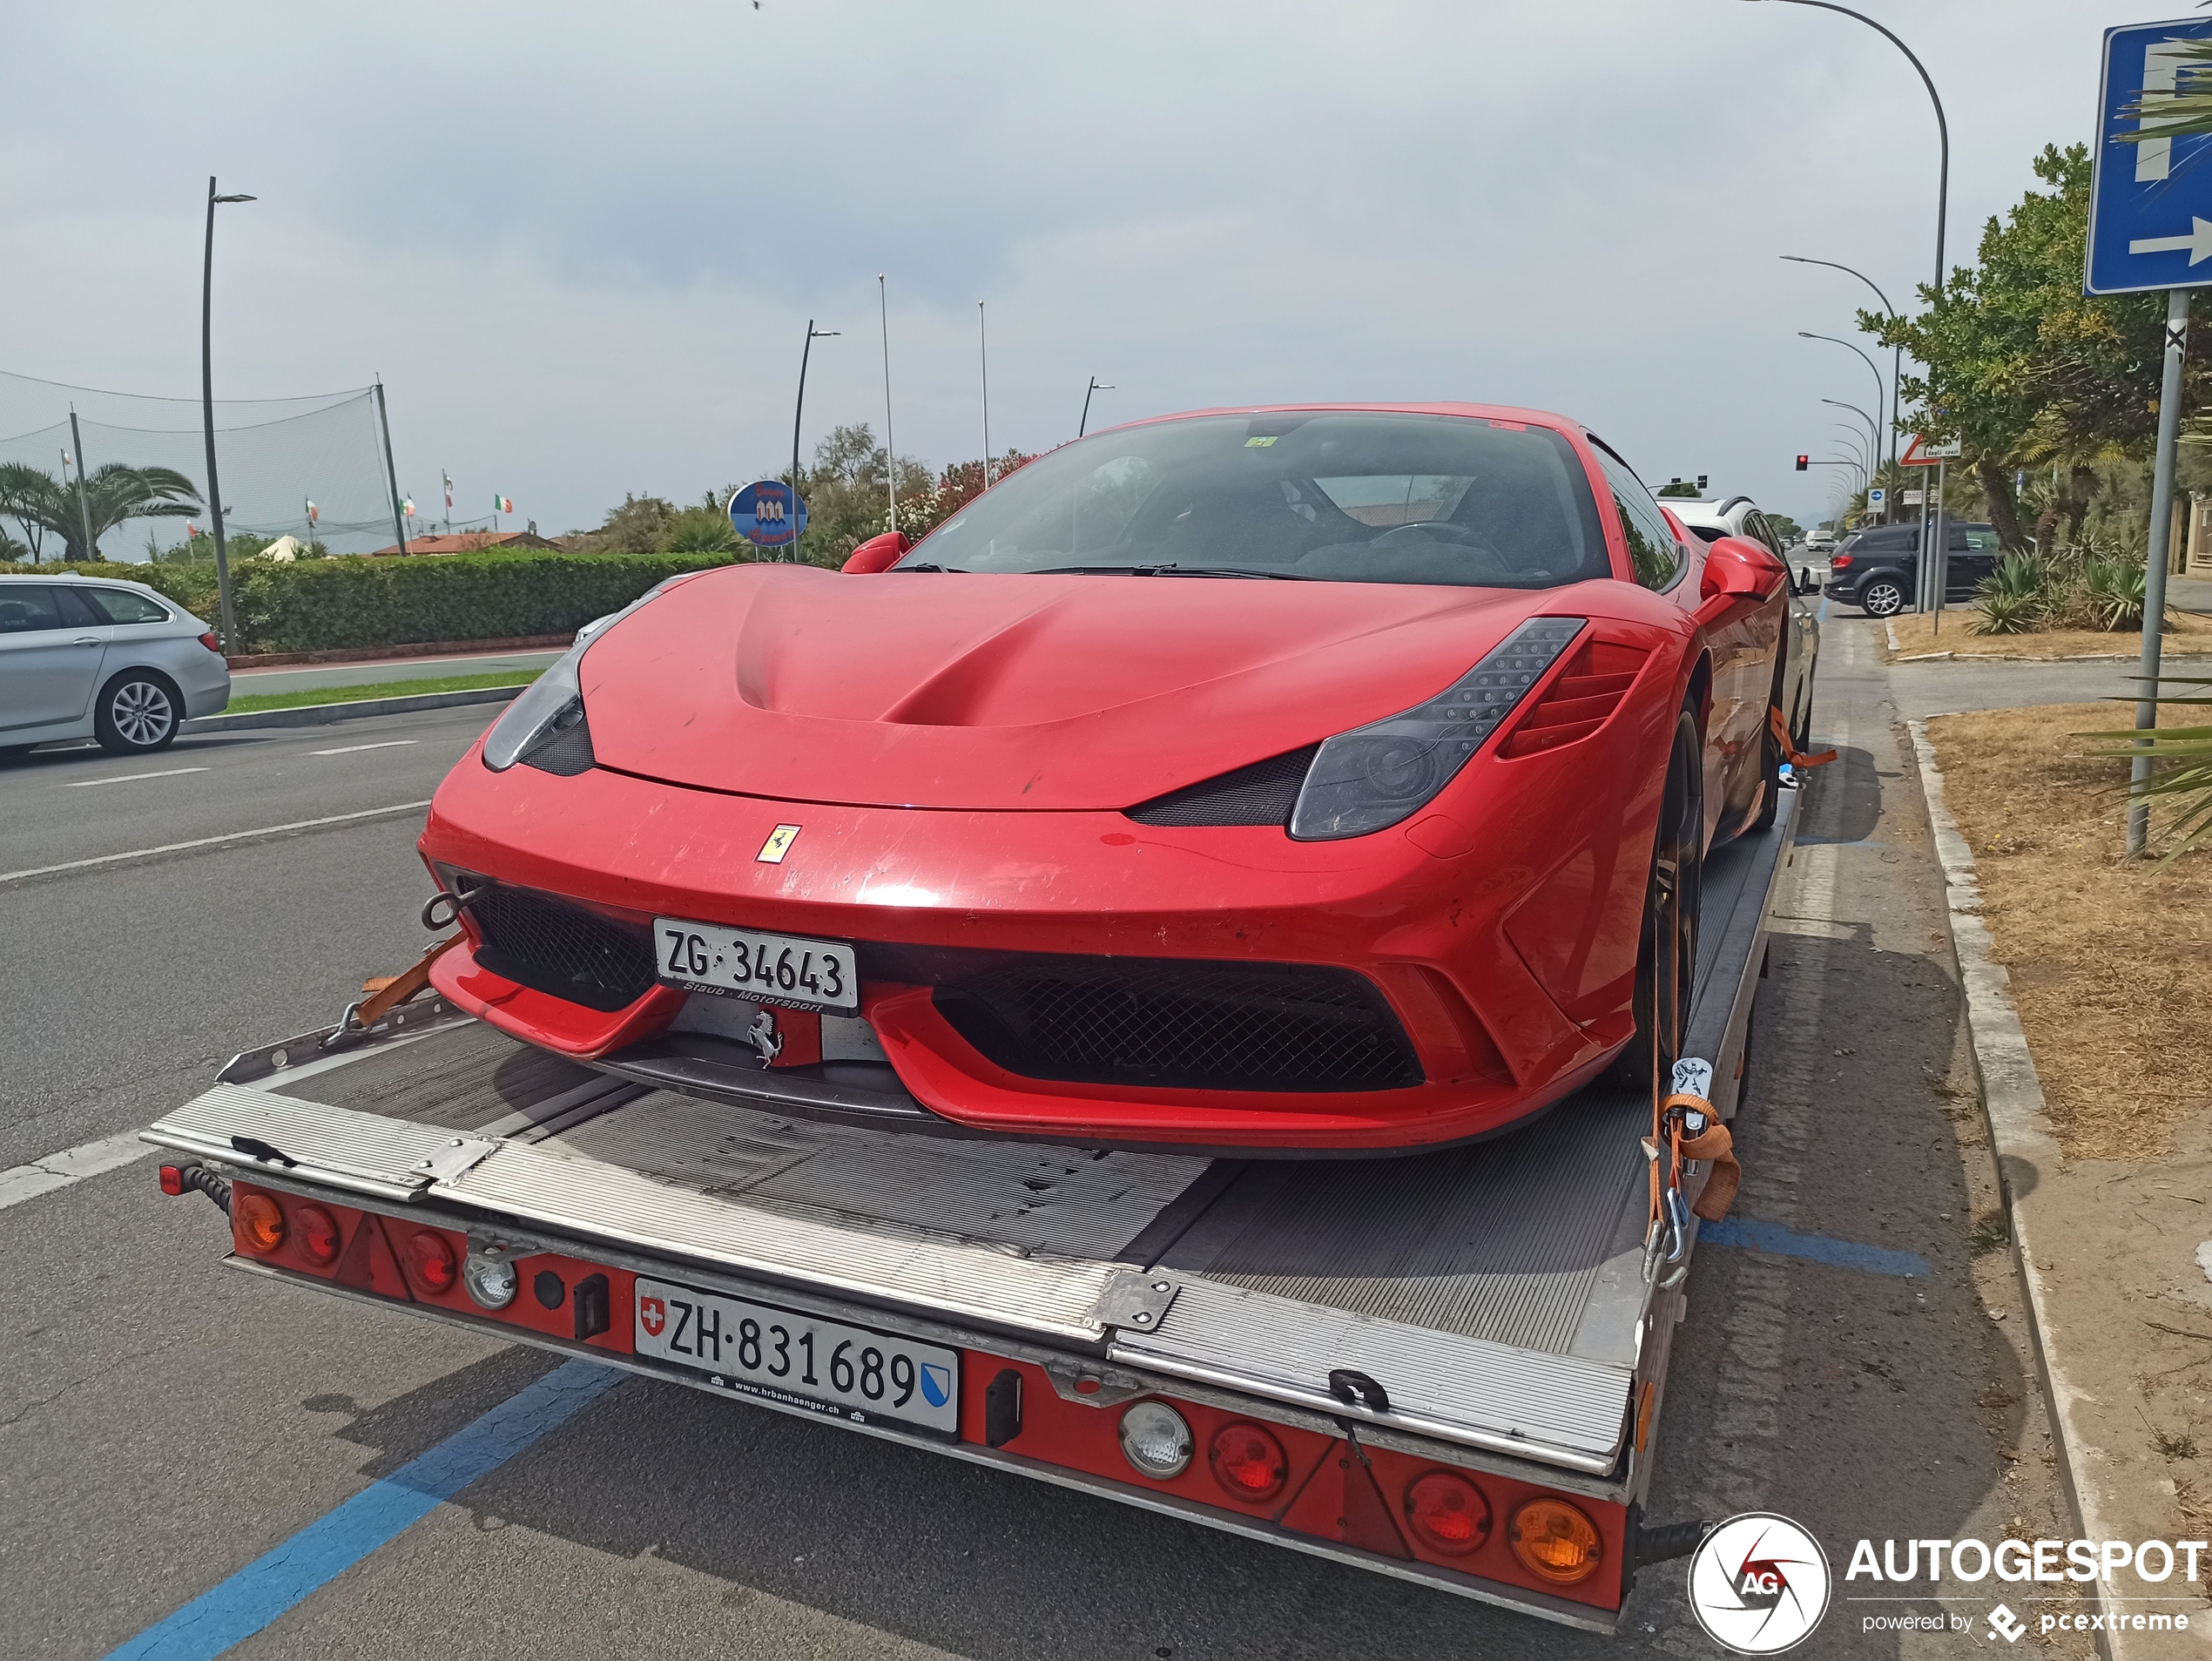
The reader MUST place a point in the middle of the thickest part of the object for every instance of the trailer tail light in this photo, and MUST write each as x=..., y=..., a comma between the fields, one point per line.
x=1156, y=1440
x=1588, y=690
x=172, y=1180
x=430, y=1262
x=491, y=1282
x=259, y=1223
x=1555, y=1541
x=1447, y=1512
x=318, y=1233
x=1249, y=1463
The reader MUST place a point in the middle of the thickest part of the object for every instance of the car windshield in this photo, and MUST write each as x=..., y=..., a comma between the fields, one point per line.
x=1346, y=496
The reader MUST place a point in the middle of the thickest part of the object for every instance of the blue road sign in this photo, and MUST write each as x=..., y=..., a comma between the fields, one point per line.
x=2150, y=204
x=768, y=514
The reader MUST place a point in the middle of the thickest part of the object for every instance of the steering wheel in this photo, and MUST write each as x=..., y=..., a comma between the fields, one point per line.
x=1433, y=530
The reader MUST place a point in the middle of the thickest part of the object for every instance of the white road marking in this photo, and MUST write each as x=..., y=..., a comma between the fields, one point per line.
x=70, y=1165
x=212, y=841
x=130, y=778
x=348, y=749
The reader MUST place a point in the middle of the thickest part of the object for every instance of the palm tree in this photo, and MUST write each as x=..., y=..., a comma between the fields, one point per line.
x=105, y=496
x=2184, y=113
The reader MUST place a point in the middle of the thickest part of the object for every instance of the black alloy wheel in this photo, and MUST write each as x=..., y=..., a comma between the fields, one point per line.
x=1667, y=955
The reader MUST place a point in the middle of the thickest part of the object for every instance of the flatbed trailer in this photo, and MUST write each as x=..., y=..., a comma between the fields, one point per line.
x=1428, y=1365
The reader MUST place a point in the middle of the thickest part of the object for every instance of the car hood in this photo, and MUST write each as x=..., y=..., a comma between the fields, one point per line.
x=951, y=689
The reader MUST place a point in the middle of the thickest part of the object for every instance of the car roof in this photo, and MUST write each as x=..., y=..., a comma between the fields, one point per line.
x=1707, y=513
x=1509, y=413
x=78, y=576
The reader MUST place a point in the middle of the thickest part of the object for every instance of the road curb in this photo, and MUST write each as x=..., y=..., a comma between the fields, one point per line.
x=2026, y=1149
x=358, y=709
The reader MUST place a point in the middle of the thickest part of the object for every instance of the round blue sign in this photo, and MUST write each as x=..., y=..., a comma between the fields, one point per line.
x=768, y=514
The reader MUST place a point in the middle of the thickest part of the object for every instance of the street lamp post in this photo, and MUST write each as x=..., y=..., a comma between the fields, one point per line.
x=1096, y=385
x=1873, y=435
x=1807, y=334
x=207, y=415
x=1897, y=353
x=798, y=410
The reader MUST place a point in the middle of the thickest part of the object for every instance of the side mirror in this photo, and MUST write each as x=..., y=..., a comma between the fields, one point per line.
x=877, y=553
x=1804, y=581
x=1737, y=568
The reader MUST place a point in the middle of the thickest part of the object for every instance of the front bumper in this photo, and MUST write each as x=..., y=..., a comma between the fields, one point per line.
x=1434, y=932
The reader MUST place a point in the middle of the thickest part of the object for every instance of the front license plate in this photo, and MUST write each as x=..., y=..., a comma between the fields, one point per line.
x=801, y=1360
x=788, y=969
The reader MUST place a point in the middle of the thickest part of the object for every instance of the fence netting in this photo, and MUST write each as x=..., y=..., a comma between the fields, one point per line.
x=274, y=457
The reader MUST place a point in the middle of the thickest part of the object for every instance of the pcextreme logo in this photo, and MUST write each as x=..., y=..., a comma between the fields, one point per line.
x=1758, y=1584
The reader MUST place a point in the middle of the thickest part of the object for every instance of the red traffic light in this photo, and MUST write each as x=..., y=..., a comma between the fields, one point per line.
x=1804, y=461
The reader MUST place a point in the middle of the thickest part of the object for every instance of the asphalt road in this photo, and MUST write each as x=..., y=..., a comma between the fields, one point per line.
x=164, y=1421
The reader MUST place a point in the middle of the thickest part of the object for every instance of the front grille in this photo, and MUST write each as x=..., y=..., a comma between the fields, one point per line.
x=1173, y=1023
x=553, y=946
x=1263, y=794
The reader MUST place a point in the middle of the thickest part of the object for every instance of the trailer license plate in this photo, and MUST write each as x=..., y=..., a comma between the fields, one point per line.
x=801, y=1360
x=788, y=969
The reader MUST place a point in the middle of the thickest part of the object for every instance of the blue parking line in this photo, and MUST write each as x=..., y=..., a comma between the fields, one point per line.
x=275, y=1582
x=1777, y=1241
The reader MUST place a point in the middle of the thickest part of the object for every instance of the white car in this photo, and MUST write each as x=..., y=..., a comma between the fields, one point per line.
x=93, y=658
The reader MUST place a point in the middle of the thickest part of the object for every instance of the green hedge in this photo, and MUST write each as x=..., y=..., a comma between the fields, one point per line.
x=324, y=605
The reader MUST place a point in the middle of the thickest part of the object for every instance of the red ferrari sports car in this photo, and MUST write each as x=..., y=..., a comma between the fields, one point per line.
x=1316, y=779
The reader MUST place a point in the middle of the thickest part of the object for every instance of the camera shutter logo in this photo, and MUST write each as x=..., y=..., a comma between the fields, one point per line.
x=1759, y=1583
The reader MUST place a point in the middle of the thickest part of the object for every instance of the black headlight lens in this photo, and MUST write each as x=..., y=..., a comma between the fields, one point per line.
x=1370, y=778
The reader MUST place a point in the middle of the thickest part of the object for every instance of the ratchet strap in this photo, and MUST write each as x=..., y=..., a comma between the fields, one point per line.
x=386, y=991
x=1789, y=751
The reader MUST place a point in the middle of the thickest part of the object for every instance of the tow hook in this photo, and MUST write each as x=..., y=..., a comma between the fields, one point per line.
x=1648, y=1545
x=176, y=1179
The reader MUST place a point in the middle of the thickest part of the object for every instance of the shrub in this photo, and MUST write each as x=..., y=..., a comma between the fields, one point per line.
x=331, y=603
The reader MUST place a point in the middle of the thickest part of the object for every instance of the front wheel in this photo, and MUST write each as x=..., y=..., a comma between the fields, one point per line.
x=137, y=714
x=1883, y=597
x=1667, y=950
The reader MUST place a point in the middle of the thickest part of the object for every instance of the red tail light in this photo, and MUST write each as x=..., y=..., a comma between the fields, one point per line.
x=1575, y=705
x=1447, y=1512
x=318, y=1233
x=211, y=643
x=430, y=1262
x=1248, y=1463
x=172, y=1180
x=1839, y=562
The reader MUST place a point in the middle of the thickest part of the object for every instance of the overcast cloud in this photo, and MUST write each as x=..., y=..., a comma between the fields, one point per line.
x=581, y=243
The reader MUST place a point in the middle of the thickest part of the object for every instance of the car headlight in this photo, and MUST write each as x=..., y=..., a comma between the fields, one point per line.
x=554, y=702
x=1369, y=779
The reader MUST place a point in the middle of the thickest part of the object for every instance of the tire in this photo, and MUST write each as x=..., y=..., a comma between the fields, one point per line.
x=137, y=714
x=1667, y=957
x=1885, y=596
x=1771, y=752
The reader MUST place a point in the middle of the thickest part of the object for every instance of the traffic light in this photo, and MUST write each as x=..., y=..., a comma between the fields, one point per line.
x=1804, y=461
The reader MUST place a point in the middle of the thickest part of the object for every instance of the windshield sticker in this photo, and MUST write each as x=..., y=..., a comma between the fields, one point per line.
x=1261, y=443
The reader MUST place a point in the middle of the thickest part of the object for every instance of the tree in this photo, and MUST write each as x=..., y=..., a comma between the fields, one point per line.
x=107, y=496
x=2022, y=369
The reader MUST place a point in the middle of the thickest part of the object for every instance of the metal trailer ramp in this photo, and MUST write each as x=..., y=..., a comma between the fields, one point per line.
x=1495, y=1292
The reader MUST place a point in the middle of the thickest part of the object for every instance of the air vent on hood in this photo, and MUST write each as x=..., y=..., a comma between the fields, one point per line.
x=1575, y=705
x=1263, y=794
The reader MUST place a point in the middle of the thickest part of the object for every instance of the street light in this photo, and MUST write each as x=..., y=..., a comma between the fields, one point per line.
x=1807, y=334
x=805, y=352
x=207, y=416
x=1096, y=385
x=1943, y=126
x=1851, y=450
x=1873, y=435
x=1897, y=353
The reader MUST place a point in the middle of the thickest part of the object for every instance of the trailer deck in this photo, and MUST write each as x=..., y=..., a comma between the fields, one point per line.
x=1489, y=1302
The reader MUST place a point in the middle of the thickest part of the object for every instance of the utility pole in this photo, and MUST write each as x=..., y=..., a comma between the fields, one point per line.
x=391, y=473
x=83, y=507
x=890, y=450
x=800, y=410
x=1096, y=385
x=207, y=415
x=984, y=357
x=2161, y=533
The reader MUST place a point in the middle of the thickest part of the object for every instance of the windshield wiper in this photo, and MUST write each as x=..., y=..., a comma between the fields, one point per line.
x=1168, y=570
x=924, y=565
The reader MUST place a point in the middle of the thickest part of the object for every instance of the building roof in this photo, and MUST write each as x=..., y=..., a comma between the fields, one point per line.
x=467, y=542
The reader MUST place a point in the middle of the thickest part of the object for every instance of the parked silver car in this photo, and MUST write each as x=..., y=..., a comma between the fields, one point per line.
x=92, y=657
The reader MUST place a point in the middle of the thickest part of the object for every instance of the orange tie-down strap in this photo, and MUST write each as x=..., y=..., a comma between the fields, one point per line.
x=1713, y=1145
x=1789, y=751
x=387, y=991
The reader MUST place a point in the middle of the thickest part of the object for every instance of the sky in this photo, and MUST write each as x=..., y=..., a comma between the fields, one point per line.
x=581, y=244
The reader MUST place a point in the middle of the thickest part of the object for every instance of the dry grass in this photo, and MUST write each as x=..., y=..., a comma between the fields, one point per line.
x=1917, y=633
x=2111, y=962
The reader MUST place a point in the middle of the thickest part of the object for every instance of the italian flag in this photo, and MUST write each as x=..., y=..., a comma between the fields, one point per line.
x=505, y=503
x=315, y=513
x=408, y=507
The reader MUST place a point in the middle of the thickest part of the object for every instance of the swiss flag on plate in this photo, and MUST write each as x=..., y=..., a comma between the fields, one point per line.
x=653, y=1314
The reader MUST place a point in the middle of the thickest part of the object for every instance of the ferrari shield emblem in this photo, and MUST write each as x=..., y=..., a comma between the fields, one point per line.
x=653, y=1315
x=778, y=845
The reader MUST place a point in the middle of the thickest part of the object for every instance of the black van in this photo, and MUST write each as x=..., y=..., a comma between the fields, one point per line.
x=1877, y=569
